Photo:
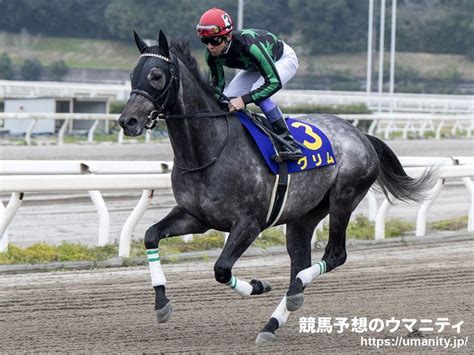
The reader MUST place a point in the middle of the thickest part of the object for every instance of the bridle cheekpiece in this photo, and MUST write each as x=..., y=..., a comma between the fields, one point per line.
x=167, y=98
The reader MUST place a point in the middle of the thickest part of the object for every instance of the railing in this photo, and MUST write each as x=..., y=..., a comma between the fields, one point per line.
x=384, y=102
x=454, y=168
x=460, y=104
x=67, y=117
x=419, y=123
x=20, y=177
x=33, y=89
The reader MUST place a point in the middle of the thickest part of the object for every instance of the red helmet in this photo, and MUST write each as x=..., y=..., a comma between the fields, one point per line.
x=213, y=23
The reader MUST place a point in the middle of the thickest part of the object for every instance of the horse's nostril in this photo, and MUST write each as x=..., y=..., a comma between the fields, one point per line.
x=132, y=122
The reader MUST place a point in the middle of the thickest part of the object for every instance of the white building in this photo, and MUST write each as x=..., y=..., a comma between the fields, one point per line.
x=54, y=105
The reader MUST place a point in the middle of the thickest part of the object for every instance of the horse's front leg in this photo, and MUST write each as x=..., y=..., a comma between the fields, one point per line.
x=241, y=236
x=177, y=222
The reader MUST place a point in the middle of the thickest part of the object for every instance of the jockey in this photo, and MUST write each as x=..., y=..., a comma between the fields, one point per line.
x=267, y=62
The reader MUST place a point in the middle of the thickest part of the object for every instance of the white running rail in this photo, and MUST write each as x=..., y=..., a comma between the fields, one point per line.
x=463, y=173
x=67, y=118
x=383, y=122
x=19, y=177
x=395, y=102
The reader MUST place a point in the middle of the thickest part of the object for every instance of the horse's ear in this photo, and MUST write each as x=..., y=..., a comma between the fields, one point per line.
x=163, y=43
x=140, y=42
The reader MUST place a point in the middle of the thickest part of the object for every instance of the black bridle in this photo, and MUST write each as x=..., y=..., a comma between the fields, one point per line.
x=162, y=101
x=165, y=100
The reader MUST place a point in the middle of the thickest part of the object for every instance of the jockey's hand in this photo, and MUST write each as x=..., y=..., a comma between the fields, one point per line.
x=236, y=104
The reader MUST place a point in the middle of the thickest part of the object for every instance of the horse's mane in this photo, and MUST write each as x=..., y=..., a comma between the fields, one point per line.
x=180, y=48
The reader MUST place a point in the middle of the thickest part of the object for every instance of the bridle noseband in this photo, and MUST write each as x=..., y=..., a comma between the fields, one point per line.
x=167, y=98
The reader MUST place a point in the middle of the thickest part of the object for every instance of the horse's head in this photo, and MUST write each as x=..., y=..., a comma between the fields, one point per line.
x=155, y=85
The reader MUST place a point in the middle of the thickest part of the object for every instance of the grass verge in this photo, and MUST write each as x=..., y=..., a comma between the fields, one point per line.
x=359, y=228
x=45, y=253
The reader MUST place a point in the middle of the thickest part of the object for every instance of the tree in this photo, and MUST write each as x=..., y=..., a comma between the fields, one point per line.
x=330, y=26
x=275, y=16
x=436, y=26
x=58, y=69
x=177, y=19
x=31, y=69
x=6, y=67
x=322, y=26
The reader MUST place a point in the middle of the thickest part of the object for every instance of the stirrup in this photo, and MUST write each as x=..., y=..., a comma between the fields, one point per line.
x=281, y=156
x=291, y=155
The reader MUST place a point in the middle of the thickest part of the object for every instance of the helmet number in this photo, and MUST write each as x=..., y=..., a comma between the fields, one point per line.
x=227, y=21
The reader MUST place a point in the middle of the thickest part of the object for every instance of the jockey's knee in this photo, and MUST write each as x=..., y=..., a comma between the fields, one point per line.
x=152, y=238
x=222, y=272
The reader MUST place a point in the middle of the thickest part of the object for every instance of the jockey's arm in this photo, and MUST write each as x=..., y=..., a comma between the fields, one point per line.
x=267, y=69
x=217, y=73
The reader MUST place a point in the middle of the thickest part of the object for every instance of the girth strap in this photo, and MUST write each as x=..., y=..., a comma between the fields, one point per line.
x=279, y=195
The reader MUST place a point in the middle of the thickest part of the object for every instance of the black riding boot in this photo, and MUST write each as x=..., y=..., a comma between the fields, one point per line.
x=290, y=150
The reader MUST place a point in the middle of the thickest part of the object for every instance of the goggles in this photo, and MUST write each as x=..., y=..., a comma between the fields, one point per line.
x=208, y=30
x=213, y=41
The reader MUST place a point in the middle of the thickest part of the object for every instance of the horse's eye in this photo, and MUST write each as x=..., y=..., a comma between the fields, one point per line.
x=156, y=78
x=154, y=75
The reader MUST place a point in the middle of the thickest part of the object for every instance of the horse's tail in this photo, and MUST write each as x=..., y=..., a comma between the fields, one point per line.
x=393, y=179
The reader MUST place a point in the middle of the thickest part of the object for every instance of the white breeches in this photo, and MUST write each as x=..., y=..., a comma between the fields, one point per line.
x=246, y=81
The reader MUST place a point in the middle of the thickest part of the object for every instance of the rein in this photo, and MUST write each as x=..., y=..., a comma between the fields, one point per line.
x=167, y=99
x=154, y=117
x=186, y=170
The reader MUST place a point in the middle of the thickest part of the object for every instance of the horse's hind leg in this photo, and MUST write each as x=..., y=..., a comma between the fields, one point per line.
x=298, y=243
x=241, y=236
x=343, y=199
x=177, y=222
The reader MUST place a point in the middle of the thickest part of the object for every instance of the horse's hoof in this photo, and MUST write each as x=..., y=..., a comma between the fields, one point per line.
x=294, y=302
x=163, y=314
x=265, y=338
x=266, y=286
x=260, y=286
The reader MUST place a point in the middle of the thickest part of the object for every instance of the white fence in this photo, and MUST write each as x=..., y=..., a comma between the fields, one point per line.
x=67, y=117
x=463, y=173
x=449, y=104
x=34, y=89
x=388, y=123
x=417, y=123
x=405, y=113
x=462, y=104
x=20, y=177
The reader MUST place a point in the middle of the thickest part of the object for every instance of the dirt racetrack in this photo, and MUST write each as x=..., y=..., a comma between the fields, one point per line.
x=110, y=310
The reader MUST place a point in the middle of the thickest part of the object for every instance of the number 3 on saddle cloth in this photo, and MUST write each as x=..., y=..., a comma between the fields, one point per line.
x=314, y=144
x=316, y=149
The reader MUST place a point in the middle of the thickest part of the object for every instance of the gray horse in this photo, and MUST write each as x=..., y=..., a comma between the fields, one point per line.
x=220, y=180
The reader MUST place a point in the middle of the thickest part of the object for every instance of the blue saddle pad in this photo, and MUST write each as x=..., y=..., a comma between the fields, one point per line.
x=316, y=147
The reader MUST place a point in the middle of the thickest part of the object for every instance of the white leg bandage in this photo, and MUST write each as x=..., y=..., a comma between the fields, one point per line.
x=309, y=274
x=243, y=288
x=281, y=313
x=157, y=276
